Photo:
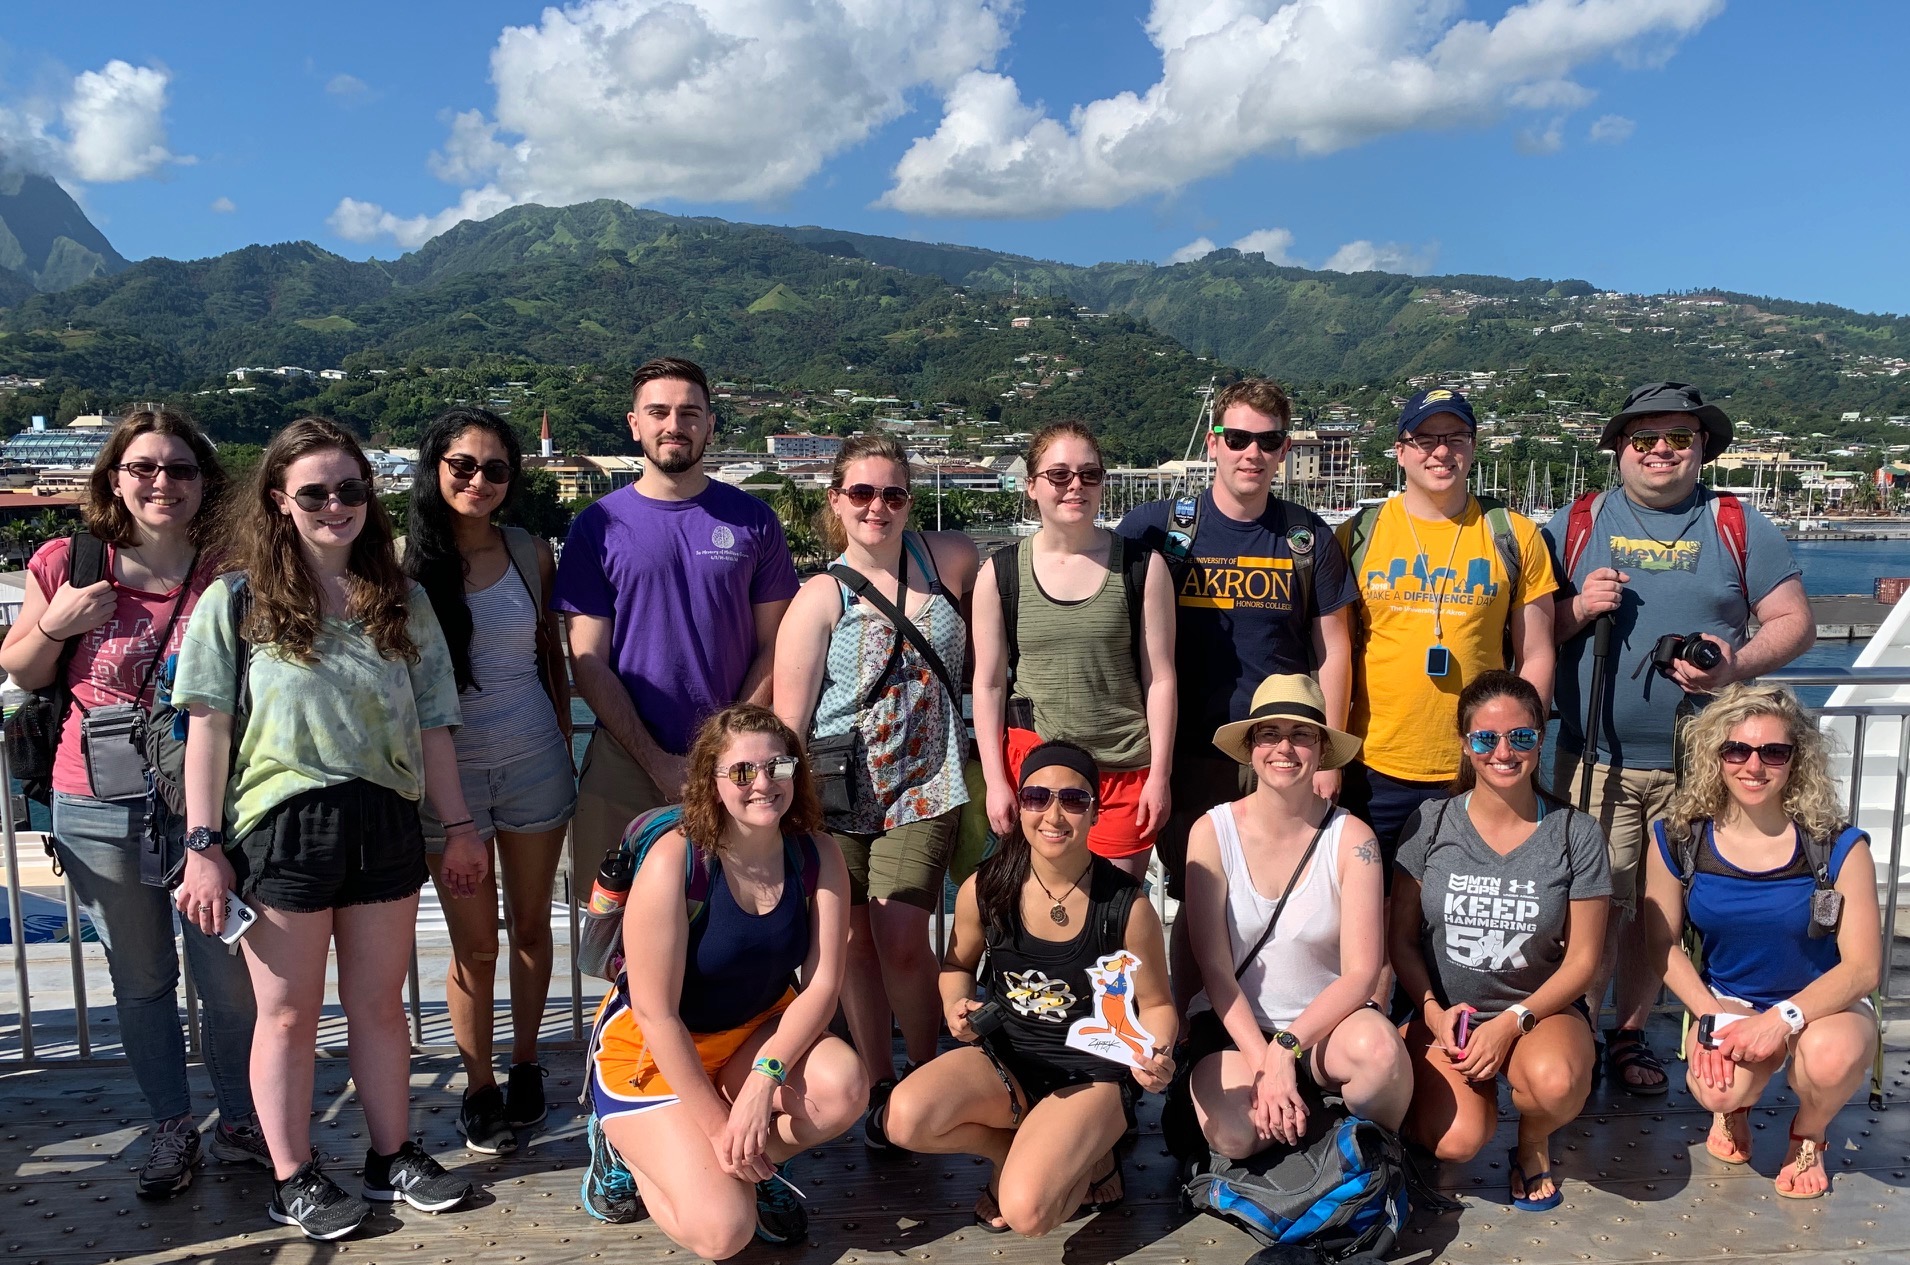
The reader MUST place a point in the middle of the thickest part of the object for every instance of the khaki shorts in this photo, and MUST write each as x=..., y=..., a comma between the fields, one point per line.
x=906, y=864
x=612, y=789
x=1625, y=802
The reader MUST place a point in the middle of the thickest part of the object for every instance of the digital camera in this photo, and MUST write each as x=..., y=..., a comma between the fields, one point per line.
x=1690, y=648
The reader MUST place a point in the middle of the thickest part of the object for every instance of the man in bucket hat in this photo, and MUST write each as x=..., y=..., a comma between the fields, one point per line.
x=1663, y=557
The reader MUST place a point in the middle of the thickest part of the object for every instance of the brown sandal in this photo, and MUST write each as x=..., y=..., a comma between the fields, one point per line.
x=1808, y=1157
x=1721, y=1120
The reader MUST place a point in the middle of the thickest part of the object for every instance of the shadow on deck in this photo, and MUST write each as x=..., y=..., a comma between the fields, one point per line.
x=1639, y=1188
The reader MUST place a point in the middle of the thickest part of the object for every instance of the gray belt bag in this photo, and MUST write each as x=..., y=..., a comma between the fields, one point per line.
x=112, y=739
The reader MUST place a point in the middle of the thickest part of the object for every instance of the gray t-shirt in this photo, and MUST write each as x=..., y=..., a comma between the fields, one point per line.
x=1683, y=580
x=1493, y=926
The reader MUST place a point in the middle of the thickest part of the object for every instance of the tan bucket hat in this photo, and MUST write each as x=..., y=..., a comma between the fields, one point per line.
x=1294, y=696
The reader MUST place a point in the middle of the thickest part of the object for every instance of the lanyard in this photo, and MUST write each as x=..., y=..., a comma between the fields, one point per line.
x=1445, y=583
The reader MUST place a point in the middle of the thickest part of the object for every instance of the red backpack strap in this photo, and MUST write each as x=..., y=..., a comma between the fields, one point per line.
x=1578, y=529
x=1727, y=512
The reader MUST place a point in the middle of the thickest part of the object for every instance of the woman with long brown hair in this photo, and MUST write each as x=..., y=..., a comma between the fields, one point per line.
x=154, y=494
x=322, y=700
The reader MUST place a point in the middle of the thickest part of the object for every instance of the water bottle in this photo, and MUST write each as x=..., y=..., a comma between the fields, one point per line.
x=612, y=887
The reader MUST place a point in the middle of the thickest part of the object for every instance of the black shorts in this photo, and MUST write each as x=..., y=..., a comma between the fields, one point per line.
x=1208, y=1036
x=356, y=843
x=1037, y=1079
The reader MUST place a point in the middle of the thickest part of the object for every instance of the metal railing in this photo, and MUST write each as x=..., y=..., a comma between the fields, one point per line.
x=1860, y=744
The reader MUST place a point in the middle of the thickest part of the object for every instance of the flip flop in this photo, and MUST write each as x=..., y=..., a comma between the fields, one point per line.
x=987, y=1223
x=1724, y=1118
x=1113, y=1174
x=1522, y=1203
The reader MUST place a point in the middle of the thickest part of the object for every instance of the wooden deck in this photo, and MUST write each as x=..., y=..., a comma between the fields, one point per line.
x=1639, y=1188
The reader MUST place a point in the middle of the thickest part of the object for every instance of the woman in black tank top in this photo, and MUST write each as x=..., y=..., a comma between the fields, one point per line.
x=1045, y=1113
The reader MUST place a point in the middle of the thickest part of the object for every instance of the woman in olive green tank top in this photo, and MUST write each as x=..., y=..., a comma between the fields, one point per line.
x=1075, y=672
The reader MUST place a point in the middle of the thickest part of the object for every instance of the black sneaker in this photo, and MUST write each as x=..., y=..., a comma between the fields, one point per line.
x=780, y=1215
x=524, y=1096
x=239, y=1144
x=414, y=1177
x=170, y=1159
x=609, y=1192
x=874, y=1137
x=315, y=1204
x=481, y=1121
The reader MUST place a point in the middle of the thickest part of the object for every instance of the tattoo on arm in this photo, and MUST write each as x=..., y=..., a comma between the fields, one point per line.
x=1367, y=851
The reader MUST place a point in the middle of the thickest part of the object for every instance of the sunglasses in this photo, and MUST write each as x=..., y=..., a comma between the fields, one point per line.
x=1237, y=440
x=1430, y=444
x=495, y=470
x=1486, y=741
x=1061, y=477
x=147, y=471
x=1646, y=440
x=314, y=497
x=1035, y=799
x=1299, y=736
x=743, y=773
x=860, y=494
x=1774, y=754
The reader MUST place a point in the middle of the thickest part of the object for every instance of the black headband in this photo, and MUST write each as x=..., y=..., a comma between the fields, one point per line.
x=1301, y=710
x=1064, y=754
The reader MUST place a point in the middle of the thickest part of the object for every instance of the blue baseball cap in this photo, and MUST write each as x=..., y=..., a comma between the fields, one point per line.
x=1431, y=404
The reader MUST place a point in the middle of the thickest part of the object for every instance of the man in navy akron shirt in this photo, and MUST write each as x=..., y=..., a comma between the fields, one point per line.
x=1244, y=609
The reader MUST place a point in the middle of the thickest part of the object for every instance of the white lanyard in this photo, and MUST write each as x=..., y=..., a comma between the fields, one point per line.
x=1440, y=589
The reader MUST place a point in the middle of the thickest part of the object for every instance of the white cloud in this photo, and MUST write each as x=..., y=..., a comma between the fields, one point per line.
x=224, y=205
x=713, y=100
x=1199, y=248
x=109, y=127
x=1250, y=77
x=1365, y=256
x=1274, y=243
x=347, y=86
x=1612, y=129
x=1530, y=140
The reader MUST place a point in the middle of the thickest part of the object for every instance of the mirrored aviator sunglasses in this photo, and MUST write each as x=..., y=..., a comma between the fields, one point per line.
x=780, y=768
x=861, y=494
x=1486, y=741
x=314, y=497
x=1645, y=440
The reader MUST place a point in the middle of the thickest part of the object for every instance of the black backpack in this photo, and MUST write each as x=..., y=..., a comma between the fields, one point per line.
x=33, y=731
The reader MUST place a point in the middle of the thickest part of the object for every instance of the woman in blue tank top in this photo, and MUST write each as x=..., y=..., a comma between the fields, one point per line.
x=1073, y=958
x=1757, y=857
x=709, y=1067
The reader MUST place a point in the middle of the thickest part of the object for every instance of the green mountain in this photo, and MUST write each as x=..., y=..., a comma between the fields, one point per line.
x=46, y=241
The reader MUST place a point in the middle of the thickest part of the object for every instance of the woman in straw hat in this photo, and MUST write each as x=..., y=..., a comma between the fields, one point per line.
x=1289, y=925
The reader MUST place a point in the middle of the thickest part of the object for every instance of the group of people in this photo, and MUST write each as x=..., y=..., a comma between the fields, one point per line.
x=1333, y=742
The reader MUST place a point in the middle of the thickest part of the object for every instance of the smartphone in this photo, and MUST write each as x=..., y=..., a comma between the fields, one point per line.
x=1462, y=1030
x=238, y=918
x=1712, y=1026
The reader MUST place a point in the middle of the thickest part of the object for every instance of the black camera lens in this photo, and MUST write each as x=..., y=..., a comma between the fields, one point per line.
x=1701, y=654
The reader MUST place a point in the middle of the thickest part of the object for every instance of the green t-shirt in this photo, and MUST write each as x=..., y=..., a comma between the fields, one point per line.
x=351, y=714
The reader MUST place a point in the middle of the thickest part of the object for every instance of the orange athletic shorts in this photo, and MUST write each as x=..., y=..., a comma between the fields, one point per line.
x=1115, y=832
x=623, y=1076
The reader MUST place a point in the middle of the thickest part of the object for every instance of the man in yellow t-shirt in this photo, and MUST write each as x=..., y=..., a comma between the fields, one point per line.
x=1437, y=604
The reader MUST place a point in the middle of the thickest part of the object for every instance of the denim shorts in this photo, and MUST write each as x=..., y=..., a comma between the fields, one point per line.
x=526, y=797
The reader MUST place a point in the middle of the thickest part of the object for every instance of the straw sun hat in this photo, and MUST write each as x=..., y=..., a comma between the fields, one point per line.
x=1295, y=697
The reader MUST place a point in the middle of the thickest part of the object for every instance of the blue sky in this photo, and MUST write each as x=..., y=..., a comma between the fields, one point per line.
x=1644, y=145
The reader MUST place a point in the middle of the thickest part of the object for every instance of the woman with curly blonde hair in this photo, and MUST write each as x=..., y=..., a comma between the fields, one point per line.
x=1756, y=857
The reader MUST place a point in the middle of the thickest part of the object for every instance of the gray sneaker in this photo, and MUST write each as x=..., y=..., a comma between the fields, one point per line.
x=241, y=1144
x=170, y=1159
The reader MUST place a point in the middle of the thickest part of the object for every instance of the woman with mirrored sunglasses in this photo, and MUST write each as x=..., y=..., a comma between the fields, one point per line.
x=1069, y=945
x=513, y=748
x=151, y=508
x=305, y=764
x=886, y=717
x=710, y=1068
x=1498, y=915
x=1080, y=664
x=1757, y=858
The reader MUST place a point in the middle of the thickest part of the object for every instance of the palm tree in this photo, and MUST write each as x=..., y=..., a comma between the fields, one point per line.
x=797, y=509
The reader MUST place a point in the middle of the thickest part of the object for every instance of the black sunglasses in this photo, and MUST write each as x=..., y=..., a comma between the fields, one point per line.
x=1646, y=440
x=314, y=497
x=1061, y=477
x=1035, y=799
x=860, y=494
x=1237, y=440
x=1775, y=754
x=147, y=471
x=495, y=470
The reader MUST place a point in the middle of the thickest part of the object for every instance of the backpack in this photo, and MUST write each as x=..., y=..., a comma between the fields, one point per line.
x=1342, y=1191
x=1360, y=538
x=1183, y=528
x=1134, y=563
x=1727, y=515
x=34, y=729
x=1817, y=854
x=600, y=924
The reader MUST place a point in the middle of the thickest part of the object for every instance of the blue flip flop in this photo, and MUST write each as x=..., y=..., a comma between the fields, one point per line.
x=1523, y=1204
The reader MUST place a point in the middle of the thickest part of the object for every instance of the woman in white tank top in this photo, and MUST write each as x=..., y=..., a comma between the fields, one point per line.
x=1285, y=906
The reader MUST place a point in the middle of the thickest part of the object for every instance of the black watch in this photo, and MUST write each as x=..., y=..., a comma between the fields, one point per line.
x=1288, y=1042
x=203, y=838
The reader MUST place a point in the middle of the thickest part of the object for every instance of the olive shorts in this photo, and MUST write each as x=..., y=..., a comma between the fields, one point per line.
x=907, y=863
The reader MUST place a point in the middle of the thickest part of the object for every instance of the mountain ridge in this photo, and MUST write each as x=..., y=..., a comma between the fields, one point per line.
x=46, y=240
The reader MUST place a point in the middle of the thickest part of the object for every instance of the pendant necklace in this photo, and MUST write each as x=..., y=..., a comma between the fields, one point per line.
x=1058, y=913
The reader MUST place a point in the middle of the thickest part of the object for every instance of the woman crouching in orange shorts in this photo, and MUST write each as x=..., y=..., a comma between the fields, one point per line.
x=709, y=1067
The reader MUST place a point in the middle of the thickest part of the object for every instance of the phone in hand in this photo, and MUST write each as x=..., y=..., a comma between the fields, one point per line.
x=1712, y=1026
x=1462, y=1029
x=238, y=918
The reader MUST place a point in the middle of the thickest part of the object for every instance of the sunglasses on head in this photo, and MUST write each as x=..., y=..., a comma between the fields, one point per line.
x=1237, y=440
x=1486, y=741
x=147, y=471
x=1061, y=477
x=780, y=769
x=314, y=497
x=1035, y=799
x=495, y=470
x=1775, y=754
x=860, y=494
x=1646, y=440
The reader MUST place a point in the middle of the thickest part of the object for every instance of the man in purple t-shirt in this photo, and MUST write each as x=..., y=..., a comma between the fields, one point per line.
x=674, y=588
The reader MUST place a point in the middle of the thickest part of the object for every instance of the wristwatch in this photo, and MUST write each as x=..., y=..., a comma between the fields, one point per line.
x=202, y=838
x=1288, y=1042
x=1791, y=1013
x=1526, y=1019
